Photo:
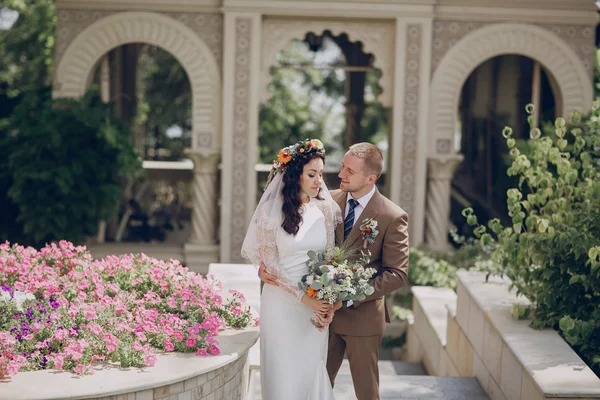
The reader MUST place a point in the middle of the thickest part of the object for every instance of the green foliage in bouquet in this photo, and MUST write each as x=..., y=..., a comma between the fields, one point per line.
x=62, y=165
x=552, y=250
x=338, y=275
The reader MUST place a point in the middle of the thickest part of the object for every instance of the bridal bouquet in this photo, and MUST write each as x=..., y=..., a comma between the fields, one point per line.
x=333, y=277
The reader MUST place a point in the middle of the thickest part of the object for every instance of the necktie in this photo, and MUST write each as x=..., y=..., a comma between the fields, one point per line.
x=349, y=221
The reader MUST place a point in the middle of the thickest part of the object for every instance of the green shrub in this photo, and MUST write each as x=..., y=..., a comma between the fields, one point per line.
x=62, y=165
x=428, y=268
x=552, y=250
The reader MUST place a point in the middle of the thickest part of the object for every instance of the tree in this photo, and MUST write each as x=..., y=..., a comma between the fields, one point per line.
x=27, y=48
x=164, y=100
x=63, y=163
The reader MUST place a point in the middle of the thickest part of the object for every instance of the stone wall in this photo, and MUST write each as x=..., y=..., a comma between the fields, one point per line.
x=225, y=383
x=480, y=338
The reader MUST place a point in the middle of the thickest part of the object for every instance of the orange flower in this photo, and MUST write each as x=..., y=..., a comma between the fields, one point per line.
x=311, y=292
x=284, y=157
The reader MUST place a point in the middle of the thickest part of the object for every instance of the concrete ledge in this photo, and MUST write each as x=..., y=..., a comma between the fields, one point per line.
x=426, y=337
x=176, y=376
x=510, y=359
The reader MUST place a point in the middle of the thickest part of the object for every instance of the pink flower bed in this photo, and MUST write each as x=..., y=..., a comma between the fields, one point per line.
x=60, y=309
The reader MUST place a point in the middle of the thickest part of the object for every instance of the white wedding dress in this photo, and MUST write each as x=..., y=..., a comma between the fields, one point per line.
x=293, y=353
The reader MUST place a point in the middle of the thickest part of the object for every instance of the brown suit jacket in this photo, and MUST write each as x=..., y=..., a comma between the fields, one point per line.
x=389, y=256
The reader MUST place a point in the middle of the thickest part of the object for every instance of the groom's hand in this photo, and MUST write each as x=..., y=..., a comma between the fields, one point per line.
x=337, y=306
x=265, y=276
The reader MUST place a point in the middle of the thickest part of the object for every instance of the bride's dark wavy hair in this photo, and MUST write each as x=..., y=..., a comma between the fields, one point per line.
x=291, y=191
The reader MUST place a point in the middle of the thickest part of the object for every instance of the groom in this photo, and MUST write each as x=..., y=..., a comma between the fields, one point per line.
x=358, y=330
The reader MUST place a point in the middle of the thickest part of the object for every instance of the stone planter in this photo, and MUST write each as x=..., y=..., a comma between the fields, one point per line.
x=176, y=376
x=479, y=338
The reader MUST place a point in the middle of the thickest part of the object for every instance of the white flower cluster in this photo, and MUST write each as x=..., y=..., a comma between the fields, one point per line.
x=18, y=298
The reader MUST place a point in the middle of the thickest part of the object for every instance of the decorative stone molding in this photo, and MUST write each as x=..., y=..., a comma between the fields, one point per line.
x=103, y=31
x=440, y=172
x=240, y=129
x=446, y=33
x=376, y=37
x=144, y=5
x=71, y=22
x=494, y=40
x=410, y=120
x=204, y=194
x=202, y=248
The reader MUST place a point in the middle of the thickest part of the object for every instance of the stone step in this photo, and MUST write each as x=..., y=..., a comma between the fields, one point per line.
x=399, y=380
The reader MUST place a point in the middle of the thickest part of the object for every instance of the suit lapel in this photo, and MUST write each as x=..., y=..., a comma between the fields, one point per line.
x=370, y=211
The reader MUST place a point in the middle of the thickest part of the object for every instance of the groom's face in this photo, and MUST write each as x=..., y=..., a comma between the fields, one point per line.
x=353, y=176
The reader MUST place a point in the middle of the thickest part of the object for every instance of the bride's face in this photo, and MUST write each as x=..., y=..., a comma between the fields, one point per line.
x=312, y=177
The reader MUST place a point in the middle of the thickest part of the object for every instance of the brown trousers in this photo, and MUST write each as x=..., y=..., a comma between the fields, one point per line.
x=363, y=355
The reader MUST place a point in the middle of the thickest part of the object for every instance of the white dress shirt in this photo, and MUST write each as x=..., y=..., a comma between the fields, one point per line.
x=362, y=203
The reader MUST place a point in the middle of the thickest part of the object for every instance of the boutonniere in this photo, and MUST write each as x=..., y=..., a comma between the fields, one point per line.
x=368, y=231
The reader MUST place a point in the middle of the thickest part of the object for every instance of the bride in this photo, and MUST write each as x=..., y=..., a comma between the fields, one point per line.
x=295, y=214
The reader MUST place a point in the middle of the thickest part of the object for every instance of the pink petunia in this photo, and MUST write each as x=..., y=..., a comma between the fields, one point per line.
x=201, y=352
x=79, y=369
x=150, y=360
x=214, y=350
x=137, y=346
x=61, y=334
x=96, y=329
x=59, y=360
x=190, y=342
x=168, y=345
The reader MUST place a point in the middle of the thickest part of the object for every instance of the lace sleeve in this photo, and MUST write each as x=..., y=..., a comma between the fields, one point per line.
x=269, y=255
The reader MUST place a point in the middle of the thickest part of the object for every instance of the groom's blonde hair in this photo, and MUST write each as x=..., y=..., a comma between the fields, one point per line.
x=371, y=156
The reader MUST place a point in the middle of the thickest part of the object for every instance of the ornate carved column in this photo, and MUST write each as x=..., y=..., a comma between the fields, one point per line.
x=202, y=247
x=439, y=177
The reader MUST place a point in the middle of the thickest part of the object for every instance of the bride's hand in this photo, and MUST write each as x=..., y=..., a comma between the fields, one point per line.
x=318, y=306
x=337, y=306
x=325, y=319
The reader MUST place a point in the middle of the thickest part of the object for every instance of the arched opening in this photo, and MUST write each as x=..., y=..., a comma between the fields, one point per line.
x=150, y=91
x=323, y=86
x=494, y=96
x=75, y=72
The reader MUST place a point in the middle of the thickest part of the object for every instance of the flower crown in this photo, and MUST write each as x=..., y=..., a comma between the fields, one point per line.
x=290, y=153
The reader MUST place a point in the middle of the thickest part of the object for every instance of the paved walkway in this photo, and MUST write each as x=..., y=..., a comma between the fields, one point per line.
x=398, y=380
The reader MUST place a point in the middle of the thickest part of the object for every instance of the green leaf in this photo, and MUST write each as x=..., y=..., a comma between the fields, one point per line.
x=566, y=324
x=593, y=253
x=472, y=220
x=519, y=311
x=529, y=108
x=542, y=225
x=486, y=239
x=316, y=285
